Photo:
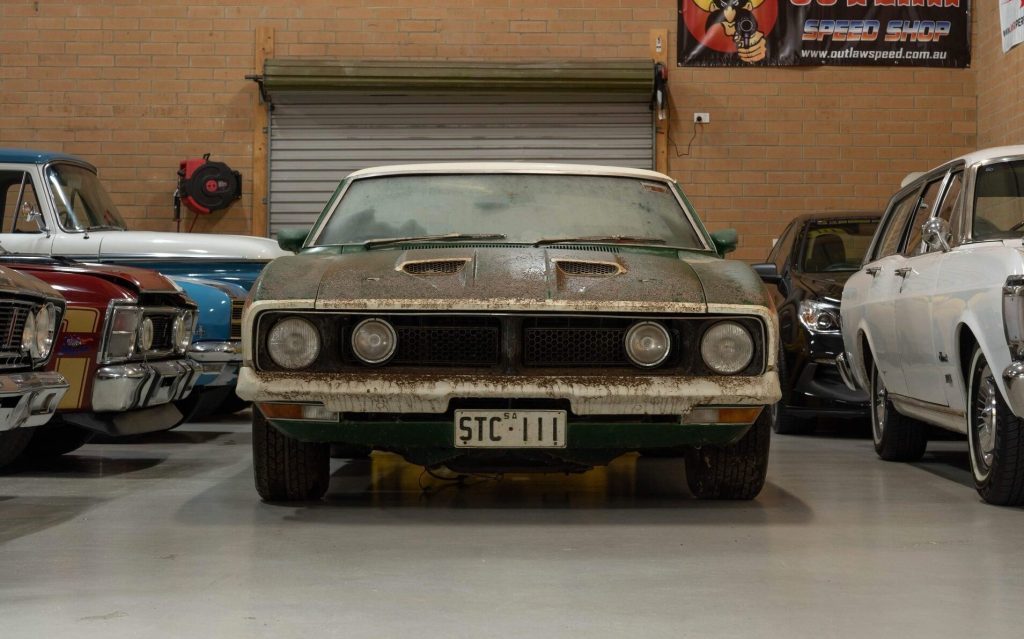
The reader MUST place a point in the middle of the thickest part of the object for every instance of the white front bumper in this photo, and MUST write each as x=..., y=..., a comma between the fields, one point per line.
x=587, y=395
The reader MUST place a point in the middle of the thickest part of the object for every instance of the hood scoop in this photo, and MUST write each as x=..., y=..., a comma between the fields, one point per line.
x=588, y=268
x=434, y=267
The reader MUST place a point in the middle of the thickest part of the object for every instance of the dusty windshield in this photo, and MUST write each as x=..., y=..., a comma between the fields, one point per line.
x=837, y=245
x=525, y=208
x=82, y=202
x=999, y=201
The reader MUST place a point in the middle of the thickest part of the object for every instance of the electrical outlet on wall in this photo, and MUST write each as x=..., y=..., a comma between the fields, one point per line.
x=702, y=118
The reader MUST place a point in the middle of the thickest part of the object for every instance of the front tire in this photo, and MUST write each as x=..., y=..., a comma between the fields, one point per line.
x=735, y=471
x=996, y=438
x=55, y=439
x=785, y=422
x=896, y=437
x=285, y=468
x=12, y=444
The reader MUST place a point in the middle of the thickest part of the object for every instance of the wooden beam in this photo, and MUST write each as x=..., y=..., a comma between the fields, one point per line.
x=659, y=53
x=264, y=49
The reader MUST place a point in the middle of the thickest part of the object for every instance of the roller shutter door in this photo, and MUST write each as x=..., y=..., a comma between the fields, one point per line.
x=317, y=138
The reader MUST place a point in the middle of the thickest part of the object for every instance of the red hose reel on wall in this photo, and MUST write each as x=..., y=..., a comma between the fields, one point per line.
x=205, y=187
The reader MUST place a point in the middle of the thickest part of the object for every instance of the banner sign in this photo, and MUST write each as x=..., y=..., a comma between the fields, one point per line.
x=1011, y=22
x=736, y=33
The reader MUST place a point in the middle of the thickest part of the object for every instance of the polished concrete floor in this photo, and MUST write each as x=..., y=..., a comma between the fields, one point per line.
x=165, y=537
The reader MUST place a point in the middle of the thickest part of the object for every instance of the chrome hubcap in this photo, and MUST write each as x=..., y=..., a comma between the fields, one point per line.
x=986, y=417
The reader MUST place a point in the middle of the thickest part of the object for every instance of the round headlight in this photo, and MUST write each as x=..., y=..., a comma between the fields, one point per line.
x=293, y=343
x=727, y=348
x=46, y=330
x=28, y=336
x=183, y=331
x=647, y=344
x=374, y=341
x=146, y=335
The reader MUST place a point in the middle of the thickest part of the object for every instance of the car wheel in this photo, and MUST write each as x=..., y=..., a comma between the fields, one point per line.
x=897, y=437
x=783, y=421
x=736, y=471
x=55, y=439
x=285, y=468
x=996, y=438
x=13, y=443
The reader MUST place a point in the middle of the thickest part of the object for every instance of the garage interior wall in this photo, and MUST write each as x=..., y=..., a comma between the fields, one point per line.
x=136, y=86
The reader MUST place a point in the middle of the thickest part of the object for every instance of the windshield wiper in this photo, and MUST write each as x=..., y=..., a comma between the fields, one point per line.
x=104, y=227
x=383, y=241
x=619, y=239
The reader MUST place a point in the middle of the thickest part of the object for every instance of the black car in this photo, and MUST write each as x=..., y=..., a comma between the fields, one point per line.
x=806, y=271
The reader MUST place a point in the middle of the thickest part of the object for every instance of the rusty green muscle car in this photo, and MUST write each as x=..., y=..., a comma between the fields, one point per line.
x=509, y=318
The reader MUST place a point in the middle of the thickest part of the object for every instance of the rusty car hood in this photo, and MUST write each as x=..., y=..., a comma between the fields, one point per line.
x=504, y=276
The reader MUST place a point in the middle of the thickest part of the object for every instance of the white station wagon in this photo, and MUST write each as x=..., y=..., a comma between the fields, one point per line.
x=933, y=323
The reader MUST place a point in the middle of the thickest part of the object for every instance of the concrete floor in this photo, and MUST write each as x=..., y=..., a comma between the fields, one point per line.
x=165, y=537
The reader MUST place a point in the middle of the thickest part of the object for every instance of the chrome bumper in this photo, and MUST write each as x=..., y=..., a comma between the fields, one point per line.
x=366, y=392
x=219, y=362
x=1014, y=378
x=845, y=373
x=29, y=399
x=143, y=384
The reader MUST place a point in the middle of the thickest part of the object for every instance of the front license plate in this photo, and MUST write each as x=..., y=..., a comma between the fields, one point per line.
x=510, y=429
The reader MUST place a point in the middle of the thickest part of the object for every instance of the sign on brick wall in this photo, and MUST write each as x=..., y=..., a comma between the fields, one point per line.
x=1011, y=22
x=931, y=33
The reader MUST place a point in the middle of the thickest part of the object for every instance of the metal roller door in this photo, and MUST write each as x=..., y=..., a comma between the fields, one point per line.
x=316, y=138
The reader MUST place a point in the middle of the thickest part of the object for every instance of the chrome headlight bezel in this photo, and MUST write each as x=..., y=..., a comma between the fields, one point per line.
x=295, y=328
x=657, y=339
x=374, y=328
x=120, y=335
x=182, y=330
x=820, y=317
x=727, y=334
x=1013, y=315
x=46, y=331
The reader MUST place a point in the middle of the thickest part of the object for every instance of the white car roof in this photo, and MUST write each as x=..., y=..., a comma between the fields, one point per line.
x=992, y=153
x=510, y=167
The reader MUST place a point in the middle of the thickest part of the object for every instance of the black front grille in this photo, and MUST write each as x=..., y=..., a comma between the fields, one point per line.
x=451, y=345
x=510, y=344
x=163, y=332
x=236, y=318
x=582, y=346
x=12, y=323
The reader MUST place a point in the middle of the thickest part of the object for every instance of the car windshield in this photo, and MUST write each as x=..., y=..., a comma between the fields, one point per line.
x=999, y=201
x=82, y=202
x=525, y=208
x=836, y=245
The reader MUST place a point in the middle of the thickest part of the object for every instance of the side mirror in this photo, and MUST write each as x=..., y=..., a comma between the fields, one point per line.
x=32, y=214
x=936, y=235
x=725, y=240
x=769, y=273
x=292, y=239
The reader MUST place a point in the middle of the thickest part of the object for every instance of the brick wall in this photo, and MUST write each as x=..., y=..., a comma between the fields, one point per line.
x=1000, y=117
x=135, y=85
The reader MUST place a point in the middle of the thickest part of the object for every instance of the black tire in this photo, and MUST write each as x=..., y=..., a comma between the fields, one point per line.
x=13, y=444
x=55, y=439
x=286, y=469
x=996, y=438
x=896, y=437
x=736, y=471
x=784, y=422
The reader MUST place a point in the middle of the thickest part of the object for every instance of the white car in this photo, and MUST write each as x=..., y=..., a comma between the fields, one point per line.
x=933, y=322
